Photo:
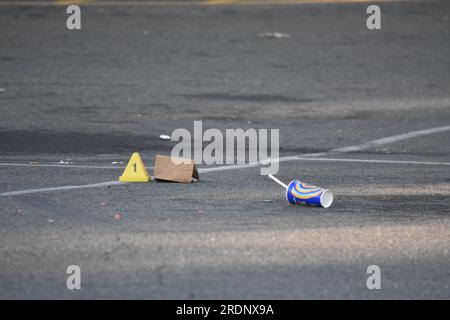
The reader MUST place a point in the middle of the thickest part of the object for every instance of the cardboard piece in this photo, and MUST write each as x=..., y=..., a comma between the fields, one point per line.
x=135, y=170
x=165, y=169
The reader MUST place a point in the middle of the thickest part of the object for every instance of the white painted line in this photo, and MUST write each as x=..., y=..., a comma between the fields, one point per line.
x=257, y=164
x=94, y=185
x=427, y=163
x=61, y=166
x=392, y=139
x=304, y=157
x=229, y=167
x=359, y=147
x=233, y=167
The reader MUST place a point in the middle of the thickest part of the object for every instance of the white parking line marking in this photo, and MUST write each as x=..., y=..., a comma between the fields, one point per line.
x=392, y=139
x=229, y=167
x=234, y=167
x=354, y=148
x=304, y=157
x=257, y=164
x=93, y=185
x=427, y=163
x=60, y=166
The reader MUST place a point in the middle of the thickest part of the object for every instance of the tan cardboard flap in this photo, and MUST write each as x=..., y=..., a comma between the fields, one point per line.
x=168, y=170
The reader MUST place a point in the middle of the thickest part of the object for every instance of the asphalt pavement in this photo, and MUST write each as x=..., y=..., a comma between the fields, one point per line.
x=76, y=104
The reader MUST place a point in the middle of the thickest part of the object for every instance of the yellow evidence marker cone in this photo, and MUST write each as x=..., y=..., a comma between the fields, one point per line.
x=135, y=170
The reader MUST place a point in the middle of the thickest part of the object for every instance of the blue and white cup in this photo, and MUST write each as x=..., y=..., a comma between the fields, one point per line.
x=298, y=192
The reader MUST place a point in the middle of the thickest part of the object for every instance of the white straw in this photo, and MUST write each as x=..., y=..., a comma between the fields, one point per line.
x=277, y=181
